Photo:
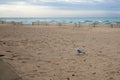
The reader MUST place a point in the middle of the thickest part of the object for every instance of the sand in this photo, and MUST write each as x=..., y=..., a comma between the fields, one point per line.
x=49, y=52
x=7, y=73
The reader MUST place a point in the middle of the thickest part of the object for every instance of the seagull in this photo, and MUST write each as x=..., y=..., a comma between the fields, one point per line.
x=80, y=51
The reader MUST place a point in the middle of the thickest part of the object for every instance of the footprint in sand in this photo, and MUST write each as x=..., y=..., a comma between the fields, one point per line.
x=94, y=73
x=83, y=46
x=100, y=51
x=24, y=61
x=8, y=51
x=35, y=70
x=111, y=78
x=68, y=78
x=38, y=66
x=1, y=55
x=14, y=55
x=73, y=74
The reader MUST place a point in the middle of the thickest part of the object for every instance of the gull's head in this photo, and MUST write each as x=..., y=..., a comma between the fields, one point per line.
x=79, y=51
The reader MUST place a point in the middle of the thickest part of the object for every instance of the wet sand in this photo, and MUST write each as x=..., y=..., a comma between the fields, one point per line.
x=49, y=52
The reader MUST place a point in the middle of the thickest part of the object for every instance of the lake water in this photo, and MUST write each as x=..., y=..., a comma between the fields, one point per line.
x=88, y=20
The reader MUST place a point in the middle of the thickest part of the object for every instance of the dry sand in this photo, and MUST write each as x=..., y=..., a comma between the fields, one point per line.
x=6, y=72
x=49, y=52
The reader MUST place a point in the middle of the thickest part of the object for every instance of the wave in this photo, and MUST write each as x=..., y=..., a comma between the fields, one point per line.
x=64, y=20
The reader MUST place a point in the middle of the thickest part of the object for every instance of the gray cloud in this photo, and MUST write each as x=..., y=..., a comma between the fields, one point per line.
x=71, y=4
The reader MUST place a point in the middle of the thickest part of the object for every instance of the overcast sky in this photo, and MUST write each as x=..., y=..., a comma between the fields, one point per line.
x=59, y=8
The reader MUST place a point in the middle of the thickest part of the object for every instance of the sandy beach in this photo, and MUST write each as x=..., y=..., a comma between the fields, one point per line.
x=47, y=52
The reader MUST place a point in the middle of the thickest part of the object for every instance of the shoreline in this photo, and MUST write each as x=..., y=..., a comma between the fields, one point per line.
x=75, y=25
x=67, y=20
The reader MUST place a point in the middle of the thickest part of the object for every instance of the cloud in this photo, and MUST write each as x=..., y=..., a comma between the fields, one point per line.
x=80, y=4
x=76, y=1
x=23, y=10
x=46, y=11
x=61, y=8
x=56, y=1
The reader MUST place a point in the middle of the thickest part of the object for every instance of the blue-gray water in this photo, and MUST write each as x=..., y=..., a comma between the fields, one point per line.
x=88, y=20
